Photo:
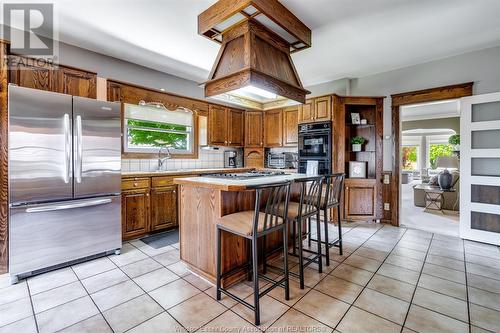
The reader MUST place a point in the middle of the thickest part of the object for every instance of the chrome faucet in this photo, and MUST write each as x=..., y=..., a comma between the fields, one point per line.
x=162, y=161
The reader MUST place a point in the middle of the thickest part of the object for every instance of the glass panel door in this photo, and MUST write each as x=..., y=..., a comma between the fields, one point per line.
x=480, y=168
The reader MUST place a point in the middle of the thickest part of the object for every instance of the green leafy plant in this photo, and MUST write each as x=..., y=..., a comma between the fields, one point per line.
x=141, y=133
x=436, y=150
x=409, y=157
x=358, y=140
x=454, y=139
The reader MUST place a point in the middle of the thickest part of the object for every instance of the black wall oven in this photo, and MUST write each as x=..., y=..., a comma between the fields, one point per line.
x=315, y=143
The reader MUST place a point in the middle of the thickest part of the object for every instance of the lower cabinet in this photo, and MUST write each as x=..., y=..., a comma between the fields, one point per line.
x=163, y=208
x=135, y=213
x=359, y=199
x=147, y=208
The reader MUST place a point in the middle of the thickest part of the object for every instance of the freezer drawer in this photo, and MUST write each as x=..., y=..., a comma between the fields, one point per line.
x=40, y=145
x=45, y=235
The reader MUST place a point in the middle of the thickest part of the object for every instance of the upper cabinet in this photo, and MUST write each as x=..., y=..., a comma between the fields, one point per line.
x=290, y=126
x=29, y=74
x=273, y=128
x=76, y=82
x=26, y=72
x=315, y=110
x=254, y=129
x=225, y=126
x=236, y=128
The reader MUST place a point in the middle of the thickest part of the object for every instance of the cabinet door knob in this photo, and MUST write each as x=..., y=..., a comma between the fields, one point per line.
x=135, y=184
x=147, y=194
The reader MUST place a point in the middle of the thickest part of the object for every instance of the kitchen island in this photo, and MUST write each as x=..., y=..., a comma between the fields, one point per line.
x=202, y=202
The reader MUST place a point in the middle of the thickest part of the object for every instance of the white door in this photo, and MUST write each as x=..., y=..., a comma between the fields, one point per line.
x=480, y=168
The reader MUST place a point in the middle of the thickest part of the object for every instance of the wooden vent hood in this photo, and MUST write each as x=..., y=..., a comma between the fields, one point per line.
x=254, y=68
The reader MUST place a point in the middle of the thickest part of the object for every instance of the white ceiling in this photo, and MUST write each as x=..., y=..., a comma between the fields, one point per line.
x=433, y=110
x=351, y=38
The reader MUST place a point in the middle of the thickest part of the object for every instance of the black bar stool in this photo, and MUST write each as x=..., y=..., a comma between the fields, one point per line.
x=298, y=214
x=253, y=225
x=334, y=184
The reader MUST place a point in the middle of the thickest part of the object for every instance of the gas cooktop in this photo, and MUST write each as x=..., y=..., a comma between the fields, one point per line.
x=246, y=175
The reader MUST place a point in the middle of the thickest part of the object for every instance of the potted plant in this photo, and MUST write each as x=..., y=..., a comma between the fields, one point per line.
x=356, y=142
x=454, y=140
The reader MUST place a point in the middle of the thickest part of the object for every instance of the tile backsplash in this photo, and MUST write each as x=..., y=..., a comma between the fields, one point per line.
x=207, y=159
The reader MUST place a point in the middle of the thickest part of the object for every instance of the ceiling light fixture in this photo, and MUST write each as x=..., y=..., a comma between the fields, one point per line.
x=254, y=66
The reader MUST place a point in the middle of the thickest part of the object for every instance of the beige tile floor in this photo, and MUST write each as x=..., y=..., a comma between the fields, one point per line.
x=388, y=280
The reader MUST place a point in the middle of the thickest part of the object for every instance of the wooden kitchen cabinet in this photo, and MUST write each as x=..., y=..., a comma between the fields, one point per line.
x=322, y=108
x=306, y=112
x=290, y=126
x=135, y=213
x=76, y=82
x=236, y=128
x=226, y=126
x=163, y=207
x=316, y=110
x=28, y=73
x=360, y=199
x=254, y=126
x=273, y=128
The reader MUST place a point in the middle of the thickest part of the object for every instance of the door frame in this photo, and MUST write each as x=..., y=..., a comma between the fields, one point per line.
x=407, y=98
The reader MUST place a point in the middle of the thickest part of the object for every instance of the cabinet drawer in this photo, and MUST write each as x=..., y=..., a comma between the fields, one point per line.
x=135, y=183
x=163, y=181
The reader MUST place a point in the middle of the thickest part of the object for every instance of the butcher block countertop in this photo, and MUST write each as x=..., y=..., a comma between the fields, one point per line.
x=228, y=184
x=135, y=174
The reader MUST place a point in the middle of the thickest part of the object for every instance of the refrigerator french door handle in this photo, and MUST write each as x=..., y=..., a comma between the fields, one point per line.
x=55, y=207
x=67, y=149
x=79, y=149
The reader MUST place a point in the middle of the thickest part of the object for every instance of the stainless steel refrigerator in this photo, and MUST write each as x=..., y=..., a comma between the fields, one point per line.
x=64, y=179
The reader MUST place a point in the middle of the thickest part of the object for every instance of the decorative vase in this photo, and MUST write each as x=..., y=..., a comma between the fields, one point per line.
x=444, y=180
x=356, y=147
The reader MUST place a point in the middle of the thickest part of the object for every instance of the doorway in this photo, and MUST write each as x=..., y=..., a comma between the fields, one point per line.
x=446, y=93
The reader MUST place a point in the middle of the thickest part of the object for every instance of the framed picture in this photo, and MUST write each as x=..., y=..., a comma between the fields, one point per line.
x=355, y=118
x=357, y=169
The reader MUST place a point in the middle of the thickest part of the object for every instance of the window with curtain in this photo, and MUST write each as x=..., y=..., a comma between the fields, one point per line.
x=150, y=128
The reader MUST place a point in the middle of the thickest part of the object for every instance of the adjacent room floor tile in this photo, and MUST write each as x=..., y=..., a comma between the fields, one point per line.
x=127, y=315
x=409, y=263
x=383, y=305
x=486, y=271
x=360, y=321
x=14, y=292
x=66, y=314
x=481, y=260
x=409, y=253
x=424, y=320
x=458, y=265
x=196, y=311
x=322, y=307
x=482, y=282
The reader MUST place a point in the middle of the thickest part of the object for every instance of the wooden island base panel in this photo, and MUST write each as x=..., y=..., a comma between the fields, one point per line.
x=202, y=201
